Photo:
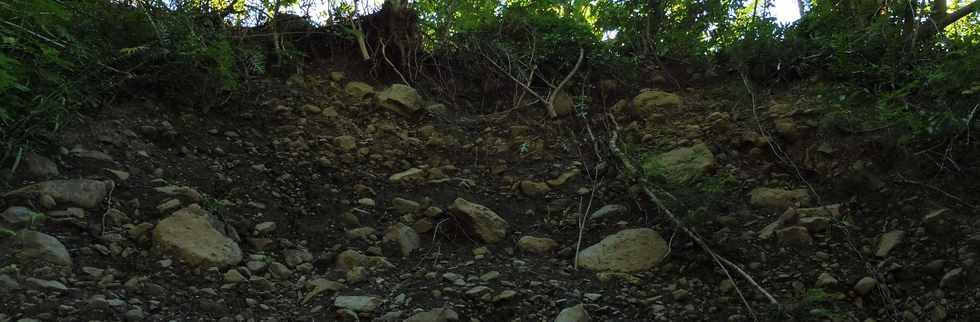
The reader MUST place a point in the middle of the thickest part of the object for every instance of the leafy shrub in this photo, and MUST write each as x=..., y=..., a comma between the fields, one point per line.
x=57, y=57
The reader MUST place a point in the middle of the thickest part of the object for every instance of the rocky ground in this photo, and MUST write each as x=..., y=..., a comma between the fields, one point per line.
x=325, y=199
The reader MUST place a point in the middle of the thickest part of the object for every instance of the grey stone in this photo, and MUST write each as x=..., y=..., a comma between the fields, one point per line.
x=358, y=303
x=649, y=103
x=436, y=315
x=82, y=192
x=865, y=285
x=609, y=210
x=406, y=238
x=681, y=165
x=480, y=220
x=400, y=98
x=189, y=233
x=358, y=89
x=46, y=284
x=627, y=251
x=32, y=245
x=413, y=175
x=20, y=217
x=350, y=258
x=779, y=199
x=573, y=314
x=888, y=242
x=537, y=245
x=39, y=166
x=794, y=236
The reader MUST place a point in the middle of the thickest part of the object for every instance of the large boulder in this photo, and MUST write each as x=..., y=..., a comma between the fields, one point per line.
x=400, y=98
x=681, y=165
x=648, y=103
x=189, y=234
x=480, y=220
x=84, y=193
x=627, y=251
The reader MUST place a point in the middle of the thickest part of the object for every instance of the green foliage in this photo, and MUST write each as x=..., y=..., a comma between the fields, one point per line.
x=57, y=57
x=821, y=304
x=4, y=233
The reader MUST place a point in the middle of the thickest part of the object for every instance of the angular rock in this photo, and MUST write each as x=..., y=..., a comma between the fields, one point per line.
x=828, y=211
x=795, y=236
x=564, y=104
x=815, y=224
x=181, y=191
x=564, y=177
x=188, y=233
x=321, y=285
x=573, y=314
x=35, y=246
x=627, y=251
x=37, y=165
x=358, y=89
x=404, y=206
x=648, y=103
x=826, y=280
x=537, y=245
x=865, y=285
x=436, y=315
x=779, y=199
x=400, y=98
x=234, y=276
x=888, y=242
x=295, y=257
x=45, y=284
x=346, y=143
x=82, y=192
x=609, y=210
x=952, y=279
x=787, y=128
x=413, y=175
x=8, y=284
x=682, y=165
x=480, y=220
x=359, y=304
x=533, y=188
x=938, y=222
x=350, y=258
x=406, y=238
x=20, y=217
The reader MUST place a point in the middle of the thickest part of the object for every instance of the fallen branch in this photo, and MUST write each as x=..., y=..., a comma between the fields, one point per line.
x=721, y=261
x=550, y=100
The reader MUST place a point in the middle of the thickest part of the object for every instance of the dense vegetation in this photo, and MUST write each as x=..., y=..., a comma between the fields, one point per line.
x=913, y=64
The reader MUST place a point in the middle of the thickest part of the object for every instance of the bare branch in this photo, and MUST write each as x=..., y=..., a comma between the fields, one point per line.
x=722, y=261
x=557, y=89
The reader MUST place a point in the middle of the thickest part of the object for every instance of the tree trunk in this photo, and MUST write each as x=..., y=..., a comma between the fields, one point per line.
x=802, y=7
x=940, y=19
